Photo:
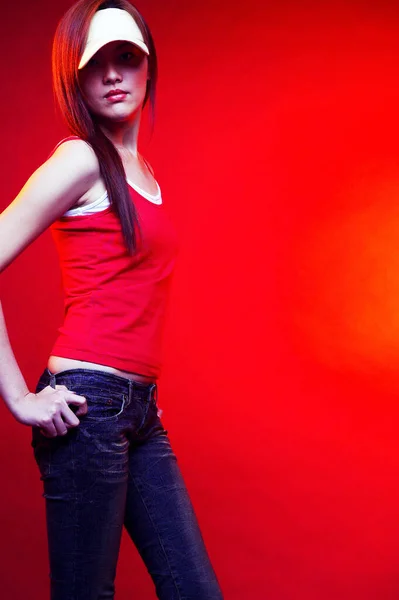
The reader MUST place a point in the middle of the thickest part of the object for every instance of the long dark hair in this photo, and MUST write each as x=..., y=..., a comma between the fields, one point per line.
x=69, y=43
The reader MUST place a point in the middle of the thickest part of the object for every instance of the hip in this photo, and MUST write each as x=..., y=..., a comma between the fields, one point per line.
x=57, y=364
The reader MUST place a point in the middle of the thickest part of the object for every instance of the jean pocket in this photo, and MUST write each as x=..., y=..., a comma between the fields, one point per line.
x=103, y=404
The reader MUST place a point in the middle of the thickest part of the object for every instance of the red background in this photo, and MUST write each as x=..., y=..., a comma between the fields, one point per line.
x=276, y=147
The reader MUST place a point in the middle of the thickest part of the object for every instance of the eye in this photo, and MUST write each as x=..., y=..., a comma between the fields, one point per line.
x=133, y=57
x=92, y=62
x=127, y=56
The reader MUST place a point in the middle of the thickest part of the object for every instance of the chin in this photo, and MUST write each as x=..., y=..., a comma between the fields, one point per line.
x=125, y=116
x=118, y=115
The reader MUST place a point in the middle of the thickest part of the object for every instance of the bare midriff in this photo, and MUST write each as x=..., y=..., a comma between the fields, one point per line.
x=56, y=364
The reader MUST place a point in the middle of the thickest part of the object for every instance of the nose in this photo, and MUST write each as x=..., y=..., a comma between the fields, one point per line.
x=111, y=74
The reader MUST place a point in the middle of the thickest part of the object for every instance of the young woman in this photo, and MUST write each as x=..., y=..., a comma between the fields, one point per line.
x=104, y=456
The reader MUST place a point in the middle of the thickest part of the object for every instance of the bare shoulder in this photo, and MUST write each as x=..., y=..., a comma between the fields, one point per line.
x=77, y=155
x=70, y=172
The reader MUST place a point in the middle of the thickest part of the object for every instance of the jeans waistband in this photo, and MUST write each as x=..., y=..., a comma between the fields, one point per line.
x=111, y=380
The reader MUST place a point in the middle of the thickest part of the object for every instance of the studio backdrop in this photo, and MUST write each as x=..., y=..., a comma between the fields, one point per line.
x=276, y=149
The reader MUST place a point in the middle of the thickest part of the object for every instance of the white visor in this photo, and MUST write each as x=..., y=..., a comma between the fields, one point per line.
x=110, y=25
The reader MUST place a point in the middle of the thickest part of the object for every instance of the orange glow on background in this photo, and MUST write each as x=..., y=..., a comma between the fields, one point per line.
x=344, y=276
x=276, y=148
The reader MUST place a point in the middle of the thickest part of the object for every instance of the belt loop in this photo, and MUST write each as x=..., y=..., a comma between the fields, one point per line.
x=130, y=393
x=51, y=377
x=153, y=392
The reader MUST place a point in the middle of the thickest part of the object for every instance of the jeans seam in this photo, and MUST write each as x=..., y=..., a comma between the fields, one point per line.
x=158, y=535
x=76, y=518
x=146, y=409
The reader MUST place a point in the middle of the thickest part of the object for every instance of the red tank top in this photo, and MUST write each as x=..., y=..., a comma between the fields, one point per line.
x=115, y=304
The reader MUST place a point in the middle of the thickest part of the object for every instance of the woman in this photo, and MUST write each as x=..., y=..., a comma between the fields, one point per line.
x=103, y=454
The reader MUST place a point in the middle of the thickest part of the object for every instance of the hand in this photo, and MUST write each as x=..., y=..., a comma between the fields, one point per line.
x=49, y=410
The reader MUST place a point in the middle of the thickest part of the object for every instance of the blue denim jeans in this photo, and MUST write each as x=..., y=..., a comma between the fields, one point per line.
x=117, y=468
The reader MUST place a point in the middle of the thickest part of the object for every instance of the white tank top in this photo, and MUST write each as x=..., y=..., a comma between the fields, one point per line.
x=103, y=202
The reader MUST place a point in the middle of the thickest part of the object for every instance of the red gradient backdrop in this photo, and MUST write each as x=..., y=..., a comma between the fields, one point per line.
x=276, y=146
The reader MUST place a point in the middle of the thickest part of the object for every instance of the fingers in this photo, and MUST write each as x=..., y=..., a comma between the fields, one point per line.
x=79, y=401
x=82, y=410
x=48, y=429
x=75, y=399
x=60, y=426
x=60, y=423
x=61, y=417
x=70, y=419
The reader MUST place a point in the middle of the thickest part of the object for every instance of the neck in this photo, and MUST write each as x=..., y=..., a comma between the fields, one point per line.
x=124, y=134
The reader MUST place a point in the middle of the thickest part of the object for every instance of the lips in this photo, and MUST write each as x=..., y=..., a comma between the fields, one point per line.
x=114, y=93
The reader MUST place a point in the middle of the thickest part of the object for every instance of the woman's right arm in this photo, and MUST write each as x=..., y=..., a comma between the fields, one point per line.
x=56, y=185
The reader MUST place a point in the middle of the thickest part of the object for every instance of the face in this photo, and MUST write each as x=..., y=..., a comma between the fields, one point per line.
x=116, y=67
